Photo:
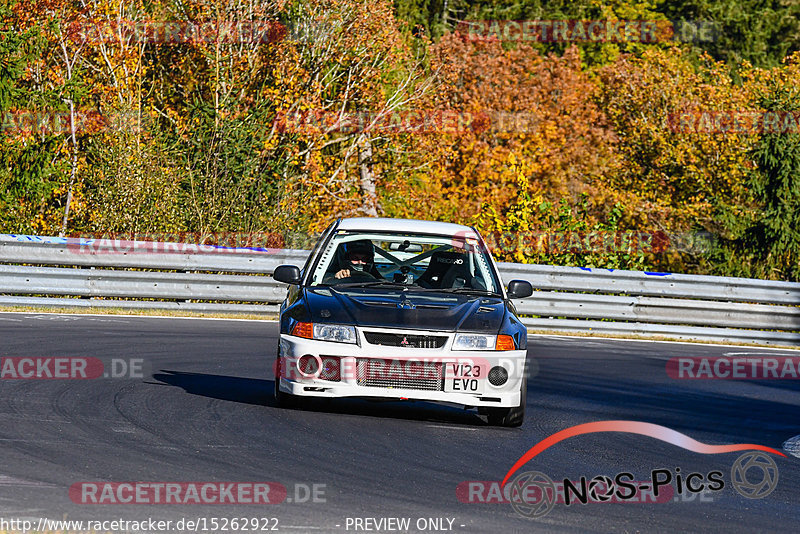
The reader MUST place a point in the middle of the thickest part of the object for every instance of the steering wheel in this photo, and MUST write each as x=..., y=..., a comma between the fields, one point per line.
x=360, y=274
x=356, y=276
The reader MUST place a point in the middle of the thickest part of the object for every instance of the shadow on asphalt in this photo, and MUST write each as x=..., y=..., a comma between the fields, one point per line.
x=259, y=392
x=229, y=388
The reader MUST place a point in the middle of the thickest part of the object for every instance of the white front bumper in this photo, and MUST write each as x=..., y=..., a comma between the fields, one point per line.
x=295, y=383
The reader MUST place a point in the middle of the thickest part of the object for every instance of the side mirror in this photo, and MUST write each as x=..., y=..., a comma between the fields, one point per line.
x=288, y=274
x=519, y=289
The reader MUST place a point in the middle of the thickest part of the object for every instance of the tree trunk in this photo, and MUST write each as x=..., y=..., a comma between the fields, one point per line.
x=74, y=168
x=368, y=193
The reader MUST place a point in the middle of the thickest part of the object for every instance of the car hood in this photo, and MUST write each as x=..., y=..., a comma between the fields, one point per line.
x=405, y=309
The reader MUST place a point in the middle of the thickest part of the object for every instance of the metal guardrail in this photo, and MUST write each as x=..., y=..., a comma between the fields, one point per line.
x=612, y=281
x=138, y=284
x=142, y=255
x=660, y=310
x=568, y=299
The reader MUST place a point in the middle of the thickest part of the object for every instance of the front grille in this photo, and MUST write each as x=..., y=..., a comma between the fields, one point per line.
x=331, y=368
x=380, y=373
x=405, y=340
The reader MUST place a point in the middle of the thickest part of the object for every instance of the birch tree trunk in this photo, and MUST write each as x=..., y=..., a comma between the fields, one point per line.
x=368, y=190
x=74, y=169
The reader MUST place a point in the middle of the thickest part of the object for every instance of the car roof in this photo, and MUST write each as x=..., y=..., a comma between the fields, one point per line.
x=382, y=224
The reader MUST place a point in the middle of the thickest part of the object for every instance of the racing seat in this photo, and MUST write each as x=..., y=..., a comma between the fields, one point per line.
x=446, y=270
x=458, y=275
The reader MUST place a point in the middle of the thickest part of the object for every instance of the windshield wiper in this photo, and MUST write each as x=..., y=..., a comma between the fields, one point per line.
x=470, y=291
x=374, y=283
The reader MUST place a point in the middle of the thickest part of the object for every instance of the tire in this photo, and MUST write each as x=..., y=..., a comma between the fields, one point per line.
x=510, y=417
x=282, y=399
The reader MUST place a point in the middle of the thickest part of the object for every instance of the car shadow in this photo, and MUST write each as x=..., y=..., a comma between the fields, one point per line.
x=259, y=392
x=229, y=388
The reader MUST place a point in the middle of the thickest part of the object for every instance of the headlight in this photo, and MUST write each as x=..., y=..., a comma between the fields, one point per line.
x=335, y=332
x=326, y=332
x=474, y=342
x=483, y=342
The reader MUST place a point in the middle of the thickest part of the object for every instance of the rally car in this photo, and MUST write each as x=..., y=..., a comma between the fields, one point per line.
x=403, y=309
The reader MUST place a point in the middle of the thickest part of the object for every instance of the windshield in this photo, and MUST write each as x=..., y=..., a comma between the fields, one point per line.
x=422, y=261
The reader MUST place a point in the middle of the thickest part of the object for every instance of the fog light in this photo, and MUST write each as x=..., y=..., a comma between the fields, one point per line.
x=309, y=365
x=498, y=376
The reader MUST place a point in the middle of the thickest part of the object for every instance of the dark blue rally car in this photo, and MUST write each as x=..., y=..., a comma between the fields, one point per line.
x=403, y=309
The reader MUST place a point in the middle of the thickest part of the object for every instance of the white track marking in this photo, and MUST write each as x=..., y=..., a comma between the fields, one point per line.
x=6, y=480
x=792, y=446
x=755, y=354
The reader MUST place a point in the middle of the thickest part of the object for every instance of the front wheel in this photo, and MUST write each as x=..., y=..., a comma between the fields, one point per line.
x=510, y=417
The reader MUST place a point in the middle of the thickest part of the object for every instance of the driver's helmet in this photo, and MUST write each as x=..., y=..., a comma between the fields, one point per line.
x=354, y=251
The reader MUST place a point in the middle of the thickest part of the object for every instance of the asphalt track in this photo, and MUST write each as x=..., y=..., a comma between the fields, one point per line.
x=202, y=411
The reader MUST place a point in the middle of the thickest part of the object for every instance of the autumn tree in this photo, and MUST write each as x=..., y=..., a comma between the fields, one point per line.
x=344, y=61
x=533, y=108
x=761, y=238
x=50, y=90
x=675, y=177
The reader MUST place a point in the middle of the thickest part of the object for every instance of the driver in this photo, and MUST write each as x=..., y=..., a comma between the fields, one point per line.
x=356, y=256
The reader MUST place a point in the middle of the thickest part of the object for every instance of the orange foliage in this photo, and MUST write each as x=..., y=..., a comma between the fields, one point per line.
x=540, y=113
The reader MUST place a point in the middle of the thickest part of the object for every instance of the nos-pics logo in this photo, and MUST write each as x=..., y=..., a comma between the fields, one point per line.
x=533, y=494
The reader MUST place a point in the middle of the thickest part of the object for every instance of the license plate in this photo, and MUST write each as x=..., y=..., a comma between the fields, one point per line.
x=464, y=378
